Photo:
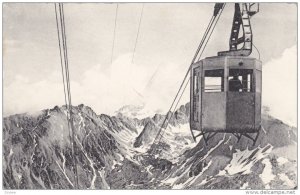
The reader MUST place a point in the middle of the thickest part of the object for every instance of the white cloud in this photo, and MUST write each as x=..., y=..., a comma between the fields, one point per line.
x=125, y=84
x=279, y=84
x=129, y=84
x=22, y=96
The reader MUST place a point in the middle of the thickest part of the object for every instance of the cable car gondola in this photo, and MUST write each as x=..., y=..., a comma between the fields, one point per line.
x=225, y=95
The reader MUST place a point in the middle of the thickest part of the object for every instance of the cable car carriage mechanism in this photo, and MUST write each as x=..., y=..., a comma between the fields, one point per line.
x=225, y=95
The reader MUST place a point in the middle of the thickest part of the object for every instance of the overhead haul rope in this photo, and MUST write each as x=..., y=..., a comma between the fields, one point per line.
x=172, y=113
x=211, y=32
x=61, y=58
x=138, y=32
x=213, y=22
x=61, y=32
x=114, y=35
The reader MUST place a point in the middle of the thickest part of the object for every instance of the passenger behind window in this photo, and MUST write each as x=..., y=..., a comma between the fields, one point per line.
x=235, y=84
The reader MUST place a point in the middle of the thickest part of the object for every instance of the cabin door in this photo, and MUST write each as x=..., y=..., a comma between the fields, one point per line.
x=241, y=102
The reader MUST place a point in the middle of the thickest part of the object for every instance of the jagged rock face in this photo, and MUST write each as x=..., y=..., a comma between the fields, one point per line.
x=148, y=134
x=38, y=153
x=153, y=125
x=111, y=152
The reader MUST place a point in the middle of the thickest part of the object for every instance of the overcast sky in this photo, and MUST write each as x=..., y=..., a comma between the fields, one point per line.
x=169, y=35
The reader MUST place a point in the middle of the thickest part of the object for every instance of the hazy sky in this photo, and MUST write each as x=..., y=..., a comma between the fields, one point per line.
x=169, y=35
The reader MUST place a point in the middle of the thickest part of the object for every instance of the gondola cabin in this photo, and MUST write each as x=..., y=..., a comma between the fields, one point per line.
x=226, y=96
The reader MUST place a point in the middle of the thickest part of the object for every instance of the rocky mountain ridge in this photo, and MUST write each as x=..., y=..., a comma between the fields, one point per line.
x=112, y=152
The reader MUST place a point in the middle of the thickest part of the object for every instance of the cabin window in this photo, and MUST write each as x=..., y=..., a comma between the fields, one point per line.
x=214, y=80
x=258, y=81
x=196, y=83
x=240, y=80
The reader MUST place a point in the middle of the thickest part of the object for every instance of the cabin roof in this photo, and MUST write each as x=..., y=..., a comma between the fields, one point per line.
x=222, y=62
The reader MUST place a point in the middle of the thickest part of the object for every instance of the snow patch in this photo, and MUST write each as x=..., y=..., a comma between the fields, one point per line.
x=92, y=186
x=148, y=169
x=191, y=180
x=179, y=139
x=10, y=152
x=120, y=156
x=63, y=170
x=244, y=186
x=242, y=161
x=267, y=174
x=135, y=111
x=204, y=181
x=282, y=161
x=81, y=122
x=172, y=180
x=105, y=184
x=286, y=180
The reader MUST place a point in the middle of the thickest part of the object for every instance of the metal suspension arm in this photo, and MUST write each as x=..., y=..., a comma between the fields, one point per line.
x=241, y=18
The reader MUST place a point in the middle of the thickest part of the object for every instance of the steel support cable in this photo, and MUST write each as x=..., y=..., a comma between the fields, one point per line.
x=167, y=115
x=196, y=54
x=67, y=83
x=66, y=54
x=66, y=67
x=69, y=113
x=212, y=20
x=180, y=97
x=138, y=32
x=60, y=54
x=199, y=58
x=212, y=31
x=194, y=58
x=62, y=68
x=174, y=110
x=70, y=97
x=114, y=35
x=172, y=113
x=66, y=61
